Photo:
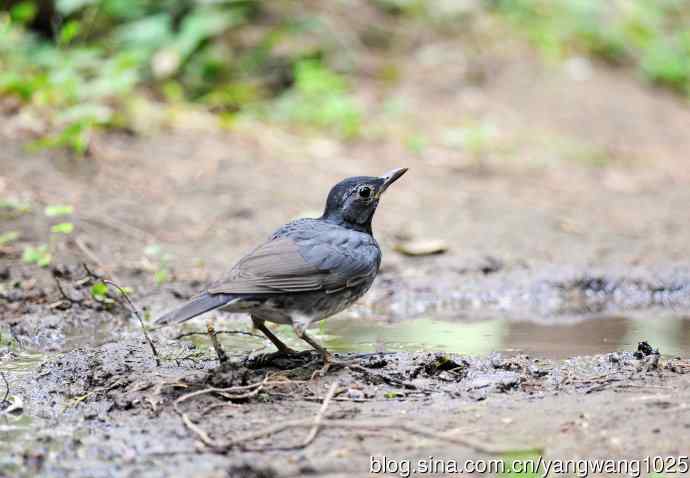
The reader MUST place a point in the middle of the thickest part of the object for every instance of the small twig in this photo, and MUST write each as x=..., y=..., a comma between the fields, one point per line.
x=64, y=295
x=219, y=332
x=91, y=255
x=247, y=392
x=222, y=356
x=319, y=416
x=203, y=436
x=136, y=313
x=225, y=391
x=334, y=399
x=7, y=388
x=89, y=273
x=317, y=423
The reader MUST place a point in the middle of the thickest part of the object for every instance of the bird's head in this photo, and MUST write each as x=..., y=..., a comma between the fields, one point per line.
x=353, y=201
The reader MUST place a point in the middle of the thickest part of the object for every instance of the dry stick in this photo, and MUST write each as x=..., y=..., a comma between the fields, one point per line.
x=226, y=391
x=222, y=356
x=319, y=416
x=201, y=434
x=64, y=295
x=88, y=252
x=254, y=389
x=375, y=427
x=141, y=321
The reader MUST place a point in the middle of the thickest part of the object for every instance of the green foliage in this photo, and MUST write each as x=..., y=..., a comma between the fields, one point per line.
x=393, y=395
x=8, y=237
x=23, y=12
x=162, y=272
x=101, y=53
x=104, y=54
x=38, y=255
x=99, y=291
x=54, y=210
x=14, y=206
x=63, y=228
x=654, y=36
x=319, y=98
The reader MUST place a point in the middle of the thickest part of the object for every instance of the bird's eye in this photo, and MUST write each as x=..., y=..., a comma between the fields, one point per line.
x=364, y=192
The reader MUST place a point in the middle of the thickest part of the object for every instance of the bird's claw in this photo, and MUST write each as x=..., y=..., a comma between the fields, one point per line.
x=328, y=362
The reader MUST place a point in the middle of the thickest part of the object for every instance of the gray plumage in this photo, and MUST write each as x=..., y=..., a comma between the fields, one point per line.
x=308, y=270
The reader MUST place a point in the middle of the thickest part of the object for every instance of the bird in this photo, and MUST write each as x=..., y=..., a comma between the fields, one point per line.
x=308, y=270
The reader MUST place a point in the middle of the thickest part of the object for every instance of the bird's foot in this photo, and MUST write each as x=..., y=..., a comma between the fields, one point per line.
x=329, y=361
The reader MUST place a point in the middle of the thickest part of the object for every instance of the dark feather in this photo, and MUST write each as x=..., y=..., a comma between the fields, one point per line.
x=279, y=265
x=197, y=306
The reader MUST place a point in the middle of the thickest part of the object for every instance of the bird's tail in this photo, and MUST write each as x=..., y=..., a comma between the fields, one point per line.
x=198, y=305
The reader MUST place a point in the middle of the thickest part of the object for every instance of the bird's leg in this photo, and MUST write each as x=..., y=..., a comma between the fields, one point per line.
x=282, y=348
x=325, y=354
x=300, y=331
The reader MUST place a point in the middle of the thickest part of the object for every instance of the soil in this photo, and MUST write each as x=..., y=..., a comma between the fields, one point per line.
x=577, y=206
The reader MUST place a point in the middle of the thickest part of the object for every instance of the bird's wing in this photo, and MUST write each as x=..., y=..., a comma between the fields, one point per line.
x=285, y=264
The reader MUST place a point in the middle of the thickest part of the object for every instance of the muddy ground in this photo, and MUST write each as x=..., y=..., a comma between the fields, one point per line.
x=575, y=208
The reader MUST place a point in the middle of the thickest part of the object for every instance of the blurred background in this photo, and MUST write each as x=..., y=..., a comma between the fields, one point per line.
x=547, y=142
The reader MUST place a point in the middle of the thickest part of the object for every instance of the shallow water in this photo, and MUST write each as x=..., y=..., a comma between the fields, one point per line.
x=554, y=339
x=551, y=337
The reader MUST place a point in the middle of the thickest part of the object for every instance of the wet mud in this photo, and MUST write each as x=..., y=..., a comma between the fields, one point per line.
x=110, y=411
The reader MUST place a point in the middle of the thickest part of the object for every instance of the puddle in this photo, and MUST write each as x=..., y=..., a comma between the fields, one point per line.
x=585, y=336
x=22, y=363
x=556, y=339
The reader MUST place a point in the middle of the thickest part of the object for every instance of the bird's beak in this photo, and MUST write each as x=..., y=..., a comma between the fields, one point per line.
x=390, y=177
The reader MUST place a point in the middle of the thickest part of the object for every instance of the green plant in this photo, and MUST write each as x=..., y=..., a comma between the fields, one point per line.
x=102, y=51
x=14, y=207
x=319, y=98
x=162, y=272
x=58, y=210
x=8, y=237
x=39, y=255
x=653, y=36
x=100, y=293
x=103, y=59
x=62, y=228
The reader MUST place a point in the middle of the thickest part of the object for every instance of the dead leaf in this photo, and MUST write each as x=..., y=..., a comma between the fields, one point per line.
x=422, y=247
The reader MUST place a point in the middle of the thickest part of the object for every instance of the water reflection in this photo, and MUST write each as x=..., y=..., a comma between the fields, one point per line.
x=557, y=339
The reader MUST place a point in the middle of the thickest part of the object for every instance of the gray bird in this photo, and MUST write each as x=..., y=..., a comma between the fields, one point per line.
x=309, y=269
